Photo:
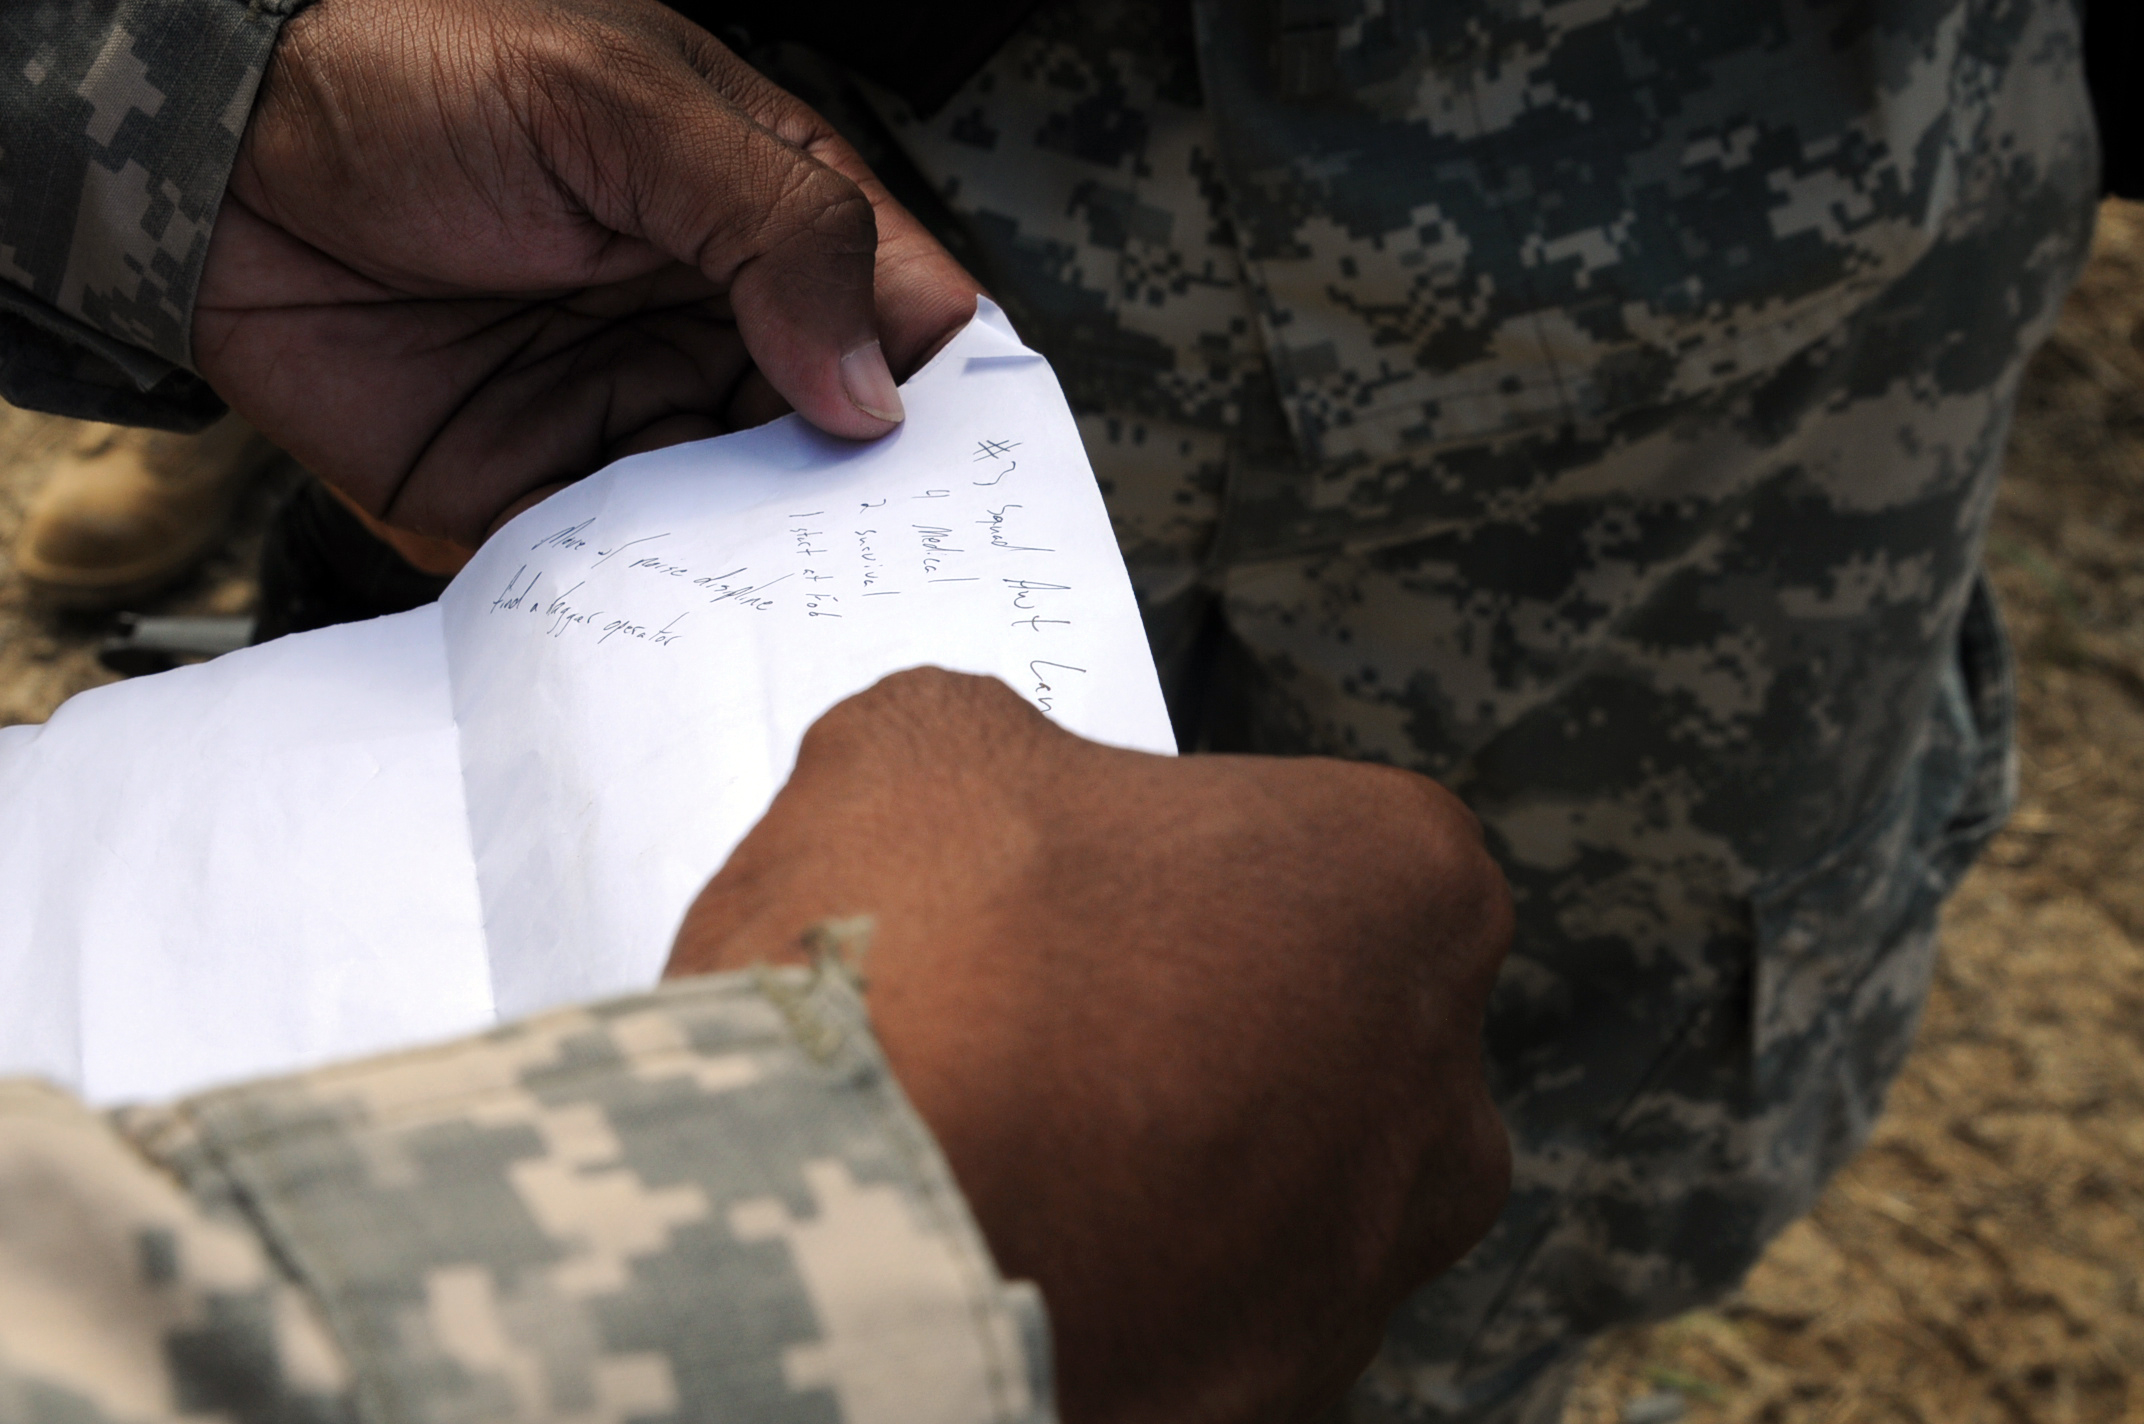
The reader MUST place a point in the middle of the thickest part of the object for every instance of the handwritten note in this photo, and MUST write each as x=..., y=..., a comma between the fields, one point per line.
x=354, y=839
x=679, y=620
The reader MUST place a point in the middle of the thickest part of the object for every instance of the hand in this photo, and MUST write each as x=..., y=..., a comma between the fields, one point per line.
x=472, y=250
x=1200, y=1036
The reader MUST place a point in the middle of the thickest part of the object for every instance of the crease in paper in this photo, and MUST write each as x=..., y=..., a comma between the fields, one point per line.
x=368, y=836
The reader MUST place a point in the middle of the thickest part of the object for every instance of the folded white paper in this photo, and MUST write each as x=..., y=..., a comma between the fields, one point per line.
x=360, y=838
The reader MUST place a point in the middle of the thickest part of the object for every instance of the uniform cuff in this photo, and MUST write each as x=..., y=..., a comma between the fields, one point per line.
x=53, y=364
x=708, y=1201
x=123, y=120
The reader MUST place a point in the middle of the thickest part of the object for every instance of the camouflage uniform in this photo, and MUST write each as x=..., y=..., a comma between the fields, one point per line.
x=119, y=123
x=1596, y=406
x=1593, y=403
x=708, y=1203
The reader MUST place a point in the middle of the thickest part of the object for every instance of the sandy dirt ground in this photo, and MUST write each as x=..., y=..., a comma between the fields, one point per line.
x=46, y=657
x=1981, y=1261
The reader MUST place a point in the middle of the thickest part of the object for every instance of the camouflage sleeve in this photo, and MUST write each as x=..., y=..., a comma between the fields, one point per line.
x=119, y=123
x=708, y=1202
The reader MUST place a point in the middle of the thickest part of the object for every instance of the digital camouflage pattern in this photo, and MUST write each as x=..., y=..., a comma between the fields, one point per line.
x=709, y=1203
x=119, y=123
x=1595, y=404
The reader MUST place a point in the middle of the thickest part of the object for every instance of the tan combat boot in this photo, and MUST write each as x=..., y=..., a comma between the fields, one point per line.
x=128, y=511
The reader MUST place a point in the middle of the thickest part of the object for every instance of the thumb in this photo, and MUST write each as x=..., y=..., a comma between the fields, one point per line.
x=804, y=303
x=793, y=242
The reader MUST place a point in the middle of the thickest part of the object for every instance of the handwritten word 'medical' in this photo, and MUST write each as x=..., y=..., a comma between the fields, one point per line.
x=935, y=548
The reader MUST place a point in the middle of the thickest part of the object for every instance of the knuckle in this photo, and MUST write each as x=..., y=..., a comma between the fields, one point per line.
x=819, y=206
x=918, y=705
x=931, y=689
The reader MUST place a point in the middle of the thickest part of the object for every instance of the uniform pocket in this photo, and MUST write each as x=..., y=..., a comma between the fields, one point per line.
x=1846, y=944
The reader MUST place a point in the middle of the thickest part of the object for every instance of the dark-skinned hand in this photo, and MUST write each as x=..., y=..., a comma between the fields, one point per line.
x=472, y=250
x=1200, y=1036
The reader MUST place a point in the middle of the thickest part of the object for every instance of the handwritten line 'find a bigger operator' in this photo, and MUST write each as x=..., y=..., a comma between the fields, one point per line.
x=565, y=615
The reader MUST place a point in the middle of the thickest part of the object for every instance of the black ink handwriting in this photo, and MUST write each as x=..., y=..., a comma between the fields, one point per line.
x=996, y=523
x=1042, y=684
x=566, y=538
x=657, y=636
x=1021, y=588
x=508, y=600
x=934, y=546
x=751, y=595
x=609, y=554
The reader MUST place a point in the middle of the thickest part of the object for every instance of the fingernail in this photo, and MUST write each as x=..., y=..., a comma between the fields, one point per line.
x=869, y=385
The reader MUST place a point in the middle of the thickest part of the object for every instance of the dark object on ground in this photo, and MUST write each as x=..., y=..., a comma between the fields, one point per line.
x=146, y=644
x=320, y=566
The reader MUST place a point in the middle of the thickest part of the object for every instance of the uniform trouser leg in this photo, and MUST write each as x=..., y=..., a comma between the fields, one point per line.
x=1702, y=641
x=1707, y=995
